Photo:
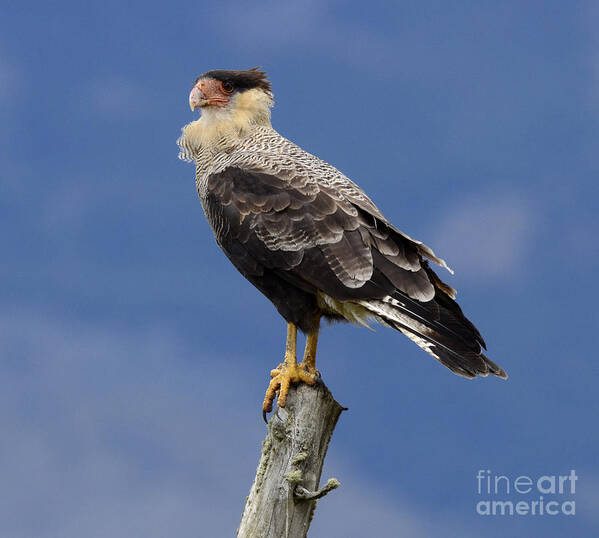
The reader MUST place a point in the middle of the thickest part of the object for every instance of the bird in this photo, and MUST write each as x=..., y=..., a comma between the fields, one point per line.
x=310, y=239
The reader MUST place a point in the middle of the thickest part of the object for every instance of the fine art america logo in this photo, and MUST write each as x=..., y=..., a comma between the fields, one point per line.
x=500, y=495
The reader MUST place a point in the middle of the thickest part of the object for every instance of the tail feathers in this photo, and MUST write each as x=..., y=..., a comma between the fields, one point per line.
x=464, y=358
x=437, y=317
x=494, y=368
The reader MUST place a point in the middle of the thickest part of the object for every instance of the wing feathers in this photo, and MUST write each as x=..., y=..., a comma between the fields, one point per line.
x=334, y=241
x=350, y=259
x=291, y=213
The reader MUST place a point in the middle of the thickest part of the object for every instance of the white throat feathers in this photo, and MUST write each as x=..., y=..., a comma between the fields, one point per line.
x=219, y=127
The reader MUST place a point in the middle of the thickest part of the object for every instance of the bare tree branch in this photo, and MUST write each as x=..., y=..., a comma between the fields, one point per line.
x=283, y=497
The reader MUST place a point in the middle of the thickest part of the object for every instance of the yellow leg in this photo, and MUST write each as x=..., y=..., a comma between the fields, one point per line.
x=286, y=373
x=309, y=361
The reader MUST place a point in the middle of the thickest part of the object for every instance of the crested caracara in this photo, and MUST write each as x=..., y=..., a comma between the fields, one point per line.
x=310, y=239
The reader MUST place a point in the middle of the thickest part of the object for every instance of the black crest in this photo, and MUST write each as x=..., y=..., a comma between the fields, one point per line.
x=241, y=80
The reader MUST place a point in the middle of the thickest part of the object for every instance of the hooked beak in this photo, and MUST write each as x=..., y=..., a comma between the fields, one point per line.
x=207, y=92
x=197, y=98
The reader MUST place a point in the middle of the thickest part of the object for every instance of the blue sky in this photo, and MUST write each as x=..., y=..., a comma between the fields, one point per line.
x=133, y=356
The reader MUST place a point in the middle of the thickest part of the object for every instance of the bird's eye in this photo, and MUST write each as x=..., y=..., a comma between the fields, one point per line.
x=227, y=87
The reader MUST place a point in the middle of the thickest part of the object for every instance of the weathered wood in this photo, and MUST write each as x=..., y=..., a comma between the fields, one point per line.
x=283, y=497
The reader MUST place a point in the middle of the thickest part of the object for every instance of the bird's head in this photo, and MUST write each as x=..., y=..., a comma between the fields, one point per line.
x=232, y=103
x=233, y=96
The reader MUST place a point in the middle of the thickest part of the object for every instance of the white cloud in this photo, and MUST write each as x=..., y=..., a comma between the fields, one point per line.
x=112, y=433
x=362, y=508
x=488, y=236
x=272, y=23
x=116, y=97
x=311, y=26
x=65, y=207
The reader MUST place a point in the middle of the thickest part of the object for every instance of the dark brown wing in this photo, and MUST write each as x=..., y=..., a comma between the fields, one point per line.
x=314, y=234
x=317, y=239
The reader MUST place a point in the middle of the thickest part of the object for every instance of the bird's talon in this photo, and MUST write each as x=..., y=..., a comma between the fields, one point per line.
x=277, y=370
x=282, y=378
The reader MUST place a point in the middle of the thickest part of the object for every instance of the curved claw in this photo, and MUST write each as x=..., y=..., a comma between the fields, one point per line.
x=264, y=417
x=285, y=376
